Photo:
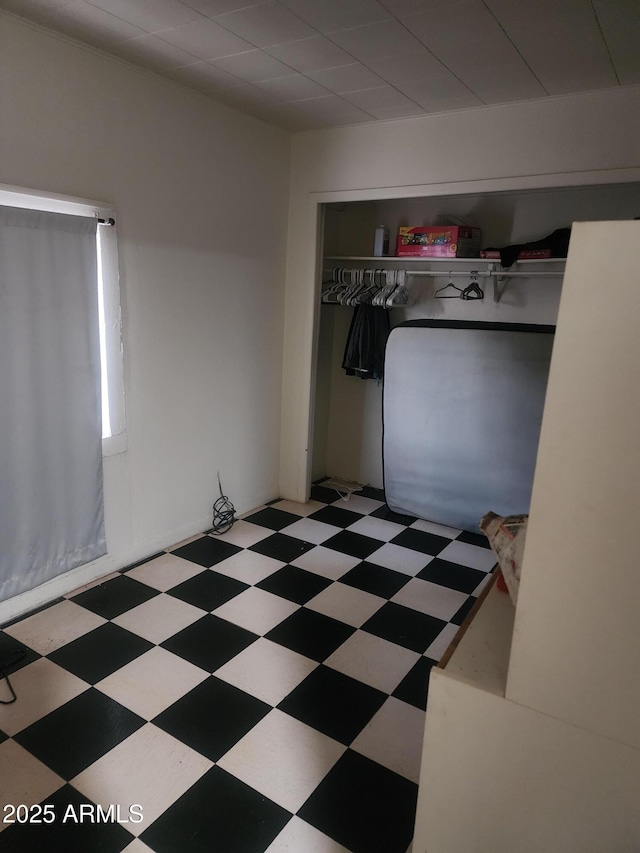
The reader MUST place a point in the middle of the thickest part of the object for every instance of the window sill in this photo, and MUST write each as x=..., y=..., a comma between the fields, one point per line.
x=114, y=444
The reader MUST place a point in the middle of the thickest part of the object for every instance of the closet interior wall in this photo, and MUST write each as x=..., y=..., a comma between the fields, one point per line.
x=347, y=436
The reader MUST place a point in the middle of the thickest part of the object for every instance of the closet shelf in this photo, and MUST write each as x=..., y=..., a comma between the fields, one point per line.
x=443, y=261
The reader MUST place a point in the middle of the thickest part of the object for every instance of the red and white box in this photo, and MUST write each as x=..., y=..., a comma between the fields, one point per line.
x=438, y=241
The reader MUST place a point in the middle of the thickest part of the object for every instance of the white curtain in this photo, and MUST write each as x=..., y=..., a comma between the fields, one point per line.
x=51, y=500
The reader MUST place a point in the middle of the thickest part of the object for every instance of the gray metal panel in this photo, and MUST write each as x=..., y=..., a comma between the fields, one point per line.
x=462, y=415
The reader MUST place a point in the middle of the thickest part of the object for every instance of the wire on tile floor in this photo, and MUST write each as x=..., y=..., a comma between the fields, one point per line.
x=344, y=488
x=224, y=513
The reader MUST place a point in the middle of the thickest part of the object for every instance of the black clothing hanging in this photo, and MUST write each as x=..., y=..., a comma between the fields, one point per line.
x=366, y=342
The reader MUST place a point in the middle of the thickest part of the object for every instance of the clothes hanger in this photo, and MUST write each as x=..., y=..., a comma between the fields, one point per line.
x=370, y=291
x=377, y=281
x=365, y=290
x=353, y=281
x=358, y=288
x=400, y=295
x=381, y=279
x=330, y=295
x=473, y=290
x=391, y=279
x=446, y=287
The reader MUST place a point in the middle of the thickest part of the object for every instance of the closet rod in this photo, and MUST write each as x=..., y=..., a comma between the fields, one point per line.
x=499, y=273
x=483, y=273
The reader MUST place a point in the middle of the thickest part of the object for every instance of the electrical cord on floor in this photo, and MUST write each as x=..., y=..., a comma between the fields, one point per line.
x=3, y=674
x=343, y=489
x=224, y=512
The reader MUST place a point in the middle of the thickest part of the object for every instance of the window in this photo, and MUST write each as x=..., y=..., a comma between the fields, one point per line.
x=112, y=380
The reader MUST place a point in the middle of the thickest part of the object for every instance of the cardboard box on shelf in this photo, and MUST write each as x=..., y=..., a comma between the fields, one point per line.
x=506, y=535
x=438, y=241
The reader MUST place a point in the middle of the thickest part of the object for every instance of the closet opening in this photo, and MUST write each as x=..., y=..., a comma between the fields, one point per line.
x=347, y=427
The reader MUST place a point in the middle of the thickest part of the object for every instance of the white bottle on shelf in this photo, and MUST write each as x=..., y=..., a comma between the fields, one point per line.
x=381, y=242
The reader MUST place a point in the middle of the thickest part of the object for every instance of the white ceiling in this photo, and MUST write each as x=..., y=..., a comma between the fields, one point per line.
x=322, y=63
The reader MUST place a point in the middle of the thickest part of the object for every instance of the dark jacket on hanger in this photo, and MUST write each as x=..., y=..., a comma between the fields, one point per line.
x=366, y=342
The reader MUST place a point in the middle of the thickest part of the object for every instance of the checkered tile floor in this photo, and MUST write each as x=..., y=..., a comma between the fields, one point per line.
x=258, y=691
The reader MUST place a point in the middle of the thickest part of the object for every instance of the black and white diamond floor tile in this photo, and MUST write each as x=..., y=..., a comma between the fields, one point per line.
x=207, y=551
x=118, y=596
x=311, y=634
x=70, y=836
x=336, y=516
x=279, y=546
x=364, y=806
x=261, y=691
x=212, y=717
x=102, y=651
x=78, y=733
x=294, y=584
x=218, y=812
x=210, y=642
x=274, y=519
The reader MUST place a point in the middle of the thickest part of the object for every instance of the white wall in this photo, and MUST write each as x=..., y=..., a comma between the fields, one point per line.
x=581, y=139
x=201, y=198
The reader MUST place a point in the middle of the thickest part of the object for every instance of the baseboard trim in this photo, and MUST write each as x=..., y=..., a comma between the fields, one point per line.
x=34, y=598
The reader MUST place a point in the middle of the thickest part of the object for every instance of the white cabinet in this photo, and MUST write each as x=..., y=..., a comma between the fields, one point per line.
x=548, y=760
x=480, y=651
